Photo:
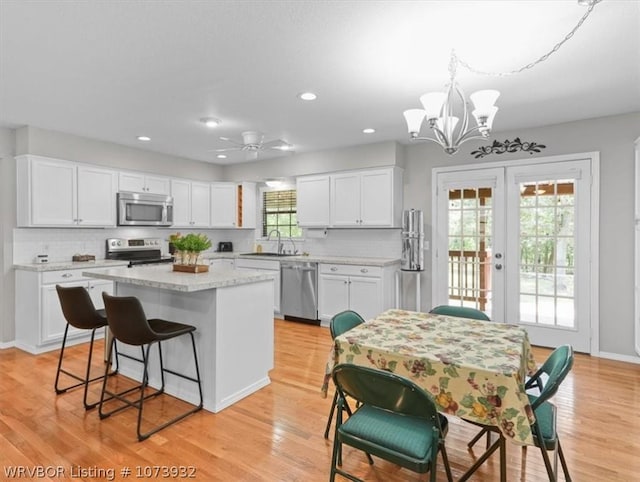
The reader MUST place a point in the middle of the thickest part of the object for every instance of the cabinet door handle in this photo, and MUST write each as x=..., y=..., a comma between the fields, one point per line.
x=333, y=268
x=364, y=270
x=67, y=275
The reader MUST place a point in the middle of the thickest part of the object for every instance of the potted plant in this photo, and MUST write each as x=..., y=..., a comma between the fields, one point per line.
x=188, y=249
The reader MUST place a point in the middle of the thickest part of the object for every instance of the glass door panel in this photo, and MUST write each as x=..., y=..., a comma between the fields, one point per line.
x=466, y=214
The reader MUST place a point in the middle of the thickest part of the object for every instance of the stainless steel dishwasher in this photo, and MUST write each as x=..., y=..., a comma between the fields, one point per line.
x=299, y=295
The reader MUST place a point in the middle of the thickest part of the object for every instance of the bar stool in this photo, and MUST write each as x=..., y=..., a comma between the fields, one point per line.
x=130, y=326
x=79, y=311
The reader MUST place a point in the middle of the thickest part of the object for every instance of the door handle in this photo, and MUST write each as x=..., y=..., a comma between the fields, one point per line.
x=498, y=265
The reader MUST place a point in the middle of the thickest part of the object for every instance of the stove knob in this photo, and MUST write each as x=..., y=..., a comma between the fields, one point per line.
x=119, y=243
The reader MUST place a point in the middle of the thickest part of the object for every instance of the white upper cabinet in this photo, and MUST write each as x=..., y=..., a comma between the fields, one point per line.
x=345, y=199
x=313, y=200
x=138, y=182
x=55, y=193
x=224, y=210
x=367, y=198
x=190, y=204
x=96, y=196
x=233, y=205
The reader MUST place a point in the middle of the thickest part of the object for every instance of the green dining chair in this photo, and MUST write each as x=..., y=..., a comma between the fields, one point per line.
x=397, y=421
x=339, y=324
x=545, y=435
x=460, y=311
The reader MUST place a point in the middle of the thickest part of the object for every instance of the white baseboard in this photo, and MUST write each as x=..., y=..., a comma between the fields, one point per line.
x=7, y=344
x=618, y=357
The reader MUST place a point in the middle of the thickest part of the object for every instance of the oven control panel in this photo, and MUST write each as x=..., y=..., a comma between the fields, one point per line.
x=119, y=244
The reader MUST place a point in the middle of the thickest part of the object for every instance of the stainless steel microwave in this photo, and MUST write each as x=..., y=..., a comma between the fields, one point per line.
x=141, y=209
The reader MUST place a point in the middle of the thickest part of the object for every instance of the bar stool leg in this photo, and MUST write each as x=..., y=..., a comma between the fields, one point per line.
x=81, y=381
x=146, y=435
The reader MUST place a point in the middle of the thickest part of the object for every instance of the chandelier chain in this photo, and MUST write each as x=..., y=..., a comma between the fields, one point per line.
x=555, y=48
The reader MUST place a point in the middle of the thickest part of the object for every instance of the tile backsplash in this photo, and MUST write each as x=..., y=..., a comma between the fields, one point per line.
x=62, y=244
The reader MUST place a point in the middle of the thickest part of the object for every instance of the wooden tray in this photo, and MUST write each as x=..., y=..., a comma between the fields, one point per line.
x=83, y=257
x=191, y=268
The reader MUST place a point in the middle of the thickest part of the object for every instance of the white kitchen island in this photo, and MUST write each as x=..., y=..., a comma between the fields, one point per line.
x=233, y=315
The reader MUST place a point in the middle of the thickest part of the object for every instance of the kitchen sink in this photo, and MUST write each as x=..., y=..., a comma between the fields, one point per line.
x=277, y=255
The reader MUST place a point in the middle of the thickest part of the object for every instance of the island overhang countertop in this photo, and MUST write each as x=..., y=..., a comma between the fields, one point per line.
x=165, y=278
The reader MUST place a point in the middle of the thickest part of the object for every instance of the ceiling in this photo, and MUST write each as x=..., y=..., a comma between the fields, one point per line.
x=115, y=70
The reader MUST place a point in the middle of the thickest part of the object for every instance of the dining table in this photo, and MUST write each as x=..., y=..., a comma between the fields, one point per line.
x=474, y=369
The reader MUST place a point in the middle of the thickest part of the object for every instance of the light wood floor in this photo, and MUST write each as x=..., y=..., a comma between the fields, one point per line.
x=277, y=433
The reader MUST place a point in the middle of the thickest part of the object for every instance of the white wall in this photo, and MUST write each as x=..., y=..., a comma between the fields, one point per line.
x=614, y=138
x=7, y=223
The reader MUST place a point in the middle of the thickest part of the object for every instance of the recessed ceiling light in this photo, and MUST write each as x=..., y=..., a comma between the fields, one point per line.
x=307, y=96
x=284, y=147
x=221, y=156
x=368, y=130
x=144, y=138
x=210, y=122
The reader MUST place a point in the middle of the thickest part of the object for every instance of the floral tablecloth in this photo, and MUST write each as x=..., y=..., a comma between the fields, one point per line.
x=474, y=369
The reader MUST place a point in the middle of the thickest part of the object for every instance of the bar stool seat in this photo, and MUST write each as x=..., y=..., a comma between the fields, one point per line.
x=130, y=326
x=80, y=312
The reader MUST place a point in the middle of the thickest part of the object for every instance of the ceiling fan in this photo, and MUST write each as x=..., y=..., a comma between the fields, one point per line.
x=252, y=143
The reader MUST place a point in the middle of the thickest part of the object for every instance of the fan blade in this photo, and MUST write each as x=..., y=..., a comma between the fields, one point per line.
x=226, y=149
x=275, y=144
x=232, y=141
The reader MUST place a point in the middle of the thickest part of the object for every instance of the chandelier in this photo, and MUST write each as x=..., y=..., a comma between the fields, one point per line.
x=439, y=110
x=442, y=110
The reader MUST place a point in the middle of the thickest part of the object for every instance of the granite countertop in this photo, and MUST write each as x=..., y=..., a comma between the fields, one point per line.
x=163, y=277
x=327, y=259
x=62, y=265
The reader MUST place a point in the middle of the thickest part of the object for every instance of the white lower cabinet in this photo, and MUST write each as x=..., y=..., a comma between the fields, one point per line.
x=367, y=290
x=269, y=266
x=40, y=322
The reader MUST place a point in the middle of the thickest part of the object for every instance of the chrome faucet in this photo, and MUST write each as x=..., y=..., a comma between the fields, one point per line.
x=294, y=250
x=279, y=249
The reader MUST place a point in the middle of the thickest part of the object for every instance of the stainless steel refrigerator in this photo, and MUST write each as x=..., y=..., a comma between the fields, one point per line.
x=412, y=240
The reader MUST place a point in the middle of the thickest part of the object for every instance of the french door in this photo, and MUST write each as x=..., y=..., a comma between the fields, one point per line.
x=515, y=241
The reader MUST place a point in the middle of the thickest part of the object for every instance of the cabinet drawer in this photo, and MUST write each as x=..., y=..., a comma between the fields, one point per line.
x=64, y=276
x=257, y=264
x=351, y=270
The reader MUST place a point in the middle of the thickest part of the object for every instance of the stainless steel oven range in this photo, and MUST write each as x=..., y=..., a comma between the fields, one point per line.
x=137, y=251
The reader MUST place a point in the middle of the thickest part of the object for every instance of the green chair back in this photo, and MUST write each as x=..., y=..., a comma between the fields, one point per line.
x=343, y=322
x=385, y=390
x=460, y=311
x=556, y=367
